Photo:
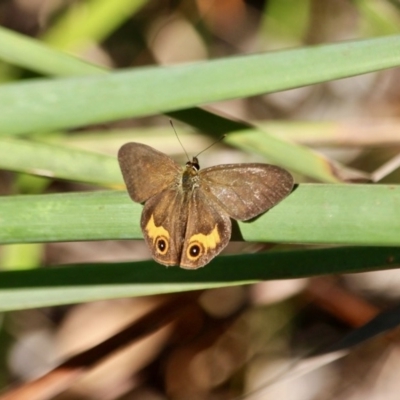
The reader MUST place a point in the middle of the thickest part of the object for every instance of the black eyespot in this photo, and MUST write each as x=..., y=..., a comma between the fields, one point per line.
x=162, y=245
x=194, y=251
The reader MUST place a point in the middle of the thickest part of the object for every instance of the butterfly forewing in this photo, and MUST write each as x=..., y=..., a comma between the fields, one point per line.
x=246, y=190
x=146, y=171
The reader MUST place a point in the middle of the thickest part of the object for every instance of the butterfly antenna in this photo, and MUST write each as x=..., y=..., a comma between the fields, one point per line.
x=187, y=155
x=212, y=144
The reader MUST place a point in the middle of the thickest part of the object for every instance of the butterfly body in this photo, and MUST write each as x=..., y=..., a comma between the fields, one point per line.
x=186, y=215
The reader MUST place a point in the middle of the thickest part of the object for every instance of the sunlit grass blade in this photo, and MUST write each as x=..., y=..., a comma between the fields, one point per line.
x=21, y=256
x=341, y=214
x=295, y=157
x=34, y=55
x=381, y=17
x=284, y=23
x=59, y=162
x=354, y=133
x=89, y=22
x=109, y=141
x=80, y=283
x=77, y=165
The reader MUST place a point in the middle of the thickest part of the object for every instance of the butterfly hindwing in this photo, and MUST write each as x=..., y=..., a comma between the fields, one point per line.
x=163, y=224
x=208, y=231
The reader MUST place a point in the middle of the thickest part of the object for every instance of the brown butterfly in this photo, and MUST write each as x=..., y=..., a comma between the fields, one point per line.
x=186, y=215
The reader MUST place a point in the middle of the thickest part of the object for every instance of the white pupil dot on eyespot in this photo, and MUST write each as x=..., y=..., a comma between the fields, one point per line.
x=194, y=251
x=162, y=245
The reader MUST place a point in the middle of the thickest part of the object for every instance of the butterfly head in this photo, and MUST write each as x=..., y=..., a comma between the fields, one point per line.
x=193, y=165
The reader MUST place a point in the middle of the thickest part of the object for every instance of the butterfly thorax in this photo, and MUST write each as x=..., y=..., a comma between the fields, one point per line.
x=190, y=175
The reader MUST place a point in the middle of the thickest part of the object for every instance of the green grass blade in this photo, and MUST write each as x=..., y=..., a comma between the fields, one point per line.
x=59, y=162
x=65, y=103
x=55, y=286
x=21, y=256
x=313, y=213
x=32, y=54
x=77, y=165
x=380, y=18
x=90, y=21
x=285, y=22
x=353, y=133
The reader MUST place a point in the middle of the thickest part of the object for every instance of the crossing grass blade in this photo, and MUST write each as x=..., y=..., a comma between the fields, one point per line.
x=67, y=103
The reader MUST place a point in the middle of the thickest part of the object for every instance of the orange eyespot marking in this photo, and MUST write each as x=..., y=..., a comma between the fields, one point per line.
x=159, y=235
x=200, y=244
x=209, y=241
x=155, y=231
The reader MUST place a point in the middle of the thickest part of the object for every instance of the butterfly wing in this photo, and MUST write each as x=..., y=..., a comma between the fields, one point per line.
x=163, y=225
x=246, y=190
x=146, y=171
x=208, y=231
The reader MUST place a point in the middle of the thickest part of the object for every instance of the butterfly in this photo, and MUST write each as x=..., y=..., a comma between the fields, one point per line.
x=186, y=219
